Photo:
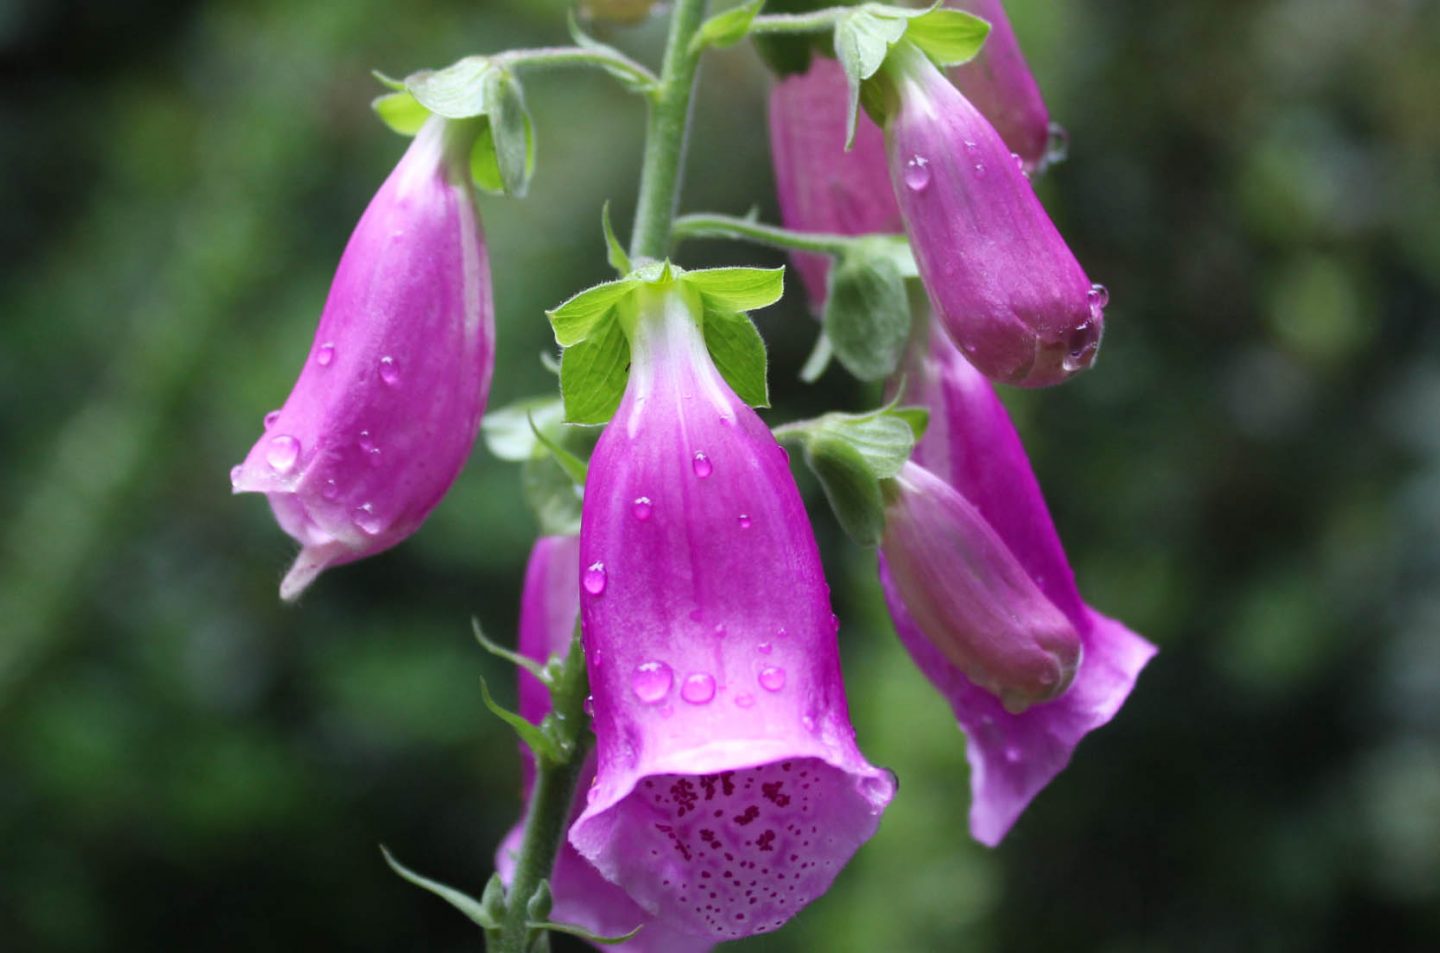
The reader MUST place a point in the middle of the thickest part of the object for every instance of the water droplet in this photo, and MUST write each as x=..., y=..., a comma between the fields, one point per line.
x=389, y=371
x=979, y=170
x=1057, y=145
x=702, y=465
x=366, y=441
x=330, y=491
x=784, y=454
x=744, y=521
x=780, y=633
x=1099, y=298
x=772, y=678
x=1012, y=754
x=235, y=472
x=764, y=648
x=325, y=354
x=651, y=681
x=719, y=630
x=1081, y=347
x=594, y=578
x=698, y=688
x=270, y=418
x=834, y=622
x=642, y=508
x=1019, y=161
x=589, y=706
x=744, y=701
x=807, y=722
x=374, y=456
x=917, y=173
x=365, y=518
x=282, y=453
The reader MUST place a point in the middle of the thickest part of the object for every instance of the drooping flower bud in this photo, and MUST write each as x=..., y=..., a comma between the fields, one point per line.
x=972, y=445
x=729, y=788
x=971, y=597
x=1004, y=284
x=822, y=188
x=389, y=400
x=549, y=610
x=998, y=82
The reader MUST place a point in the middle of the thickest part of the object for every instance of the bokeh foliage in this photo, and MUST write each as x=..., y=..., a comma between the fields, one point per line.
x=1250, y=476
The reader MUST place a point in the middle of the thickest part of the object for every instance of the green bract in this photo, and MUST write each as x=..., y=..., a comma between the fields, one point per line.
x=728, y=28
x=867, y=306
x=593, y=325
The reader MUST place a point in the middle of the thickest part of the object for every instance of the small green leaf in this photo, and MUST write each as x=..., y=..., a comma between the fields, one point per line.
x=389, y=82
x=739, y=354
x=455, y=92
x=484, y=164
x=850, y=486
x=580, y=315
x=401, y=112
x=738, y=289
x=510, y=127
x=584, y=934
x=574, y=467
x=614, y=251
x=552, y=496
x=501, y=652
x=535, y=739
x=463, y=902
x=508, y=433
x=593, y=374
x=862, y=40
x=883, y=439
x=726, y=29
x=867, y=315
x=948, y=37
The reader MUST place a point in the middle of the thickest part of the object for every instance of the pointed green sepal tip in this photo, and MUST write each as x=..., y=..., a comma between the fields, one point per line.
x=501, y=652
x=535, y=738
x=540, y=903
x=726, y=28
x=482, y=912
x=571, y=929
x=614, y=252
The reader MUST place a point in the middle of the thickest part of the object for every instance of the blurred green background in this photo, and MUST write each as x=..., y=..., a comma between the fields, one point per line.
x=1251, y=477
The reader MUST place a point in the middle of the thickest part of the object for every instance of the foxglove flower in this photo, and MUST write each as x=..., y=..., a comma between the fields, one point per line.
x=998, y=82
x=549, y=610
x=823, y=188
x=1003, y=282
x=972, y=446
x=389, y=400
x=729, y=789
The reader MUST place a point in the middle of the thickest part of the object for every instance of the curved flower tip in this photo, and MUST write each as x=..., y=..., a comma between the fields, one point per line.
x=729, y=790
x=549, y=609
x=388, y=403
x=1004, y=284
x=999, y=82
x=973, y=446
x=822, y=188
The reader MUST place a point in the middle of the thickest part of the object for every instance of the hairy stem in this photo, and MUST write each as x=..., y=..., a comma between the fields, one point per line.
x=817, y=22
x=612, y=61
x=665, y=134
x=729, y=226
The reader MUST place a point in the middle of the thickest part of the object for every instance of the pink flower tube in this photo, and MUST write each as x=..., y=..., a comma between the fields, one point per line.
x=549, y=609
x=972, y=445
x=386, y=409
x=729, y=789
x=1003, y=282
x=823, y=188
x=999, y=83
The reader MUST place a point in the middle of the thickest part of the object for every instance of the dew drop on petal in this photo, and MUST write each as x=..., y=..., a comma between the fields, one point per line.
x=772, y=678
x=1057, y=145
x=366, y=441
x=589, y=706
x=780, y=633
x=744, y=701
x=807, y=722
x=1099, y=298
x=330, y=491
x=979, y=170
x=374, y=456
x=719, y=630
x=916, y=173
x=594, y=578
x=698, y=688
x=651, y=681
x=366, y=518
x=270, y=418
x=389, y=371
x=1019, y=161
x=642, y=508
x=764, y=648
x=744, y=521
x=702, y=465
x=325, y=354
x=282, y=453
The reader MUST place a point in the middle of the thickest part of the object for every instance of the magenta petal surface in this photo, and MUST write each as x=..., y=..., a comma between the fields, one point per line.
x=822, y=188
x=729, y=790
x=1003, y=282
x=972, y=444
x=999, y=82
x=386, y=408
x=549, y=609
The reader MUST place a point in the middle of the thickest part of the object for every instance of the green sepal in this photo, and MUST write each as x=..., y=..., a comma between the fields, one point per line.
x=511, y=130
x=948, y=37
x=738, y=289
x=575, y=468
x=552, y=496
x=614, y=251
x=502, y=159
x=457, y=91
x=727, y=28
x=388, y=81
x=509, y=432
x=862, y=41
x=479, y=911
x=867, y=315
x=536, y=738
x=850, y=486
x=400, y=111
x=819, y=359
x=738, y=351
x=584, y=934
x=538, y=907
x=593, y=374
x=581, y=314
x=501, y=652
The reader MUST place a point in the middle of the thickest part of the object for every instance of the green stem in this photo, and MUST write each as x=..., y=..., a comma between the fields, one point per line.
x=817, y=22
x=612, y=61
x=729, y=226
x=665, y=134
